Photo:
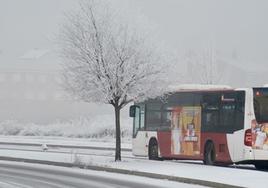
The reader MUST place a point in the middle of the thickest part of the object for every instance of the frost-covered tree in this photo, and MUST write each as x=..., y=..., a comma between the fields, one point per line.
x=204, y=67
x=108, y=60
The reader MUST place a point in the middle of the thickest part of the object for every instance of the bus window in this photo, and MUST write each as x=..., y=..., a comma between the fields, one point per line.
x=261, y=104
x=210, y=112
x=153, y=116
x=239, y=111
x=227, y=112
x=166, y=117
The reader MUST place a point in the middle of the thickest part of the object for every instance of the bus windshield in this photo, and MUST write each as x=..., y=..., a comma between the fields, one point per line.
x=261, y=104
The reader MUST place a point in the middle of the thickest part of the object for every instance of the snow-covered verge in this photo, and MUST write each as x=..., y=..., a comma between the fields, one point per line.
x=84, y=127
x=242, y=176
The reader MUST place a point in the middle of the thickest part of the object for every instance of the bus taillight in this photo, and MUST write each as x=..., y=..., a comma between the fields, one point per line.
x=248, y=137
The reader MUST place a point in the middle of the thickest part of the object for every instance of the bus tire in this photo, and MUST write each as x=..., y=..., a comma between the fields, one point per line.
x=210, y=154
x=153, y=150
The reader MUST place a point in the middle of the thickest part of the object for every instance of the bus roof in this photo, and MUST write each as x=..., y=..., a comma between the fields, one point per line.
x=198, y=87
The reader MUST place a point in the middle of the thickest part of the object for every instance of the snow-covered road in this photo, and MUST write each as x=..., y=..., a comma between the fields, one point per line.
x=22, y=175
x=244, y=176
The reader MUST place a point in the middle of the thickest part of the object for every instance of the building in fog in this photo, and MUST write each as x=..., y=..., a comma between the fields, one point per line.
x=31, y=91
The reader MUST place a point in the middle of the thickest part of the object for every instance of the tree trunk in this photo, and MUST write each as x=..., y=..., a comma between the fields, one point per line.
x=117, y=134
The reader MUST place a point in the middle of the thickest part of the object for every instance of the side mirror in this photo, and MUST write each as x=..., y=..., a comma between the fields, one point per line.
x=132, y=110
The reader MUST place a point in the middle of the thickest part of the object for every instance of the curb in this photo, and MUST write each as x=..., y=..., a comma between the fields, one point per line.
x=129, y=172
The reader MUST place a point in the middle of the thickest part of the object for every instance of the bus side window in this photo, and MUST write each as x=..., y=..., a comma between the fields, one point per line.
x=232, y=111
x=227, y=117
x=240, y=101
x=166, y=116
x=153, y=116
x=210, y=112
x=240, y=110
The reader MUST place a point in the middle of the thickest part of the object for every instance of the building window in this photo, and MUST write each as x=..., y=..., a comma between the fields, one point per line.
x=16, y=77
x=2, y=77
x=58, y=96
x=41, y=96
x=29, y=78
x=58, y=79
x=29, y=95
x=42, y=79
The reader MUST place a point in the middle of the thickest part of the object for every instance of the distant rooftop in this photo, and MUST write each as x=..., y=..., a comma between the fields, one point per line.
x=32, y=60
x=34, y=54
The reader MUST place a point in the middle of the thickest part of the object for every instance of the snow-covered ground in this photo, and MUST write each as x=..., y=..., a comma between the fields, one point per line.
x=228, y=175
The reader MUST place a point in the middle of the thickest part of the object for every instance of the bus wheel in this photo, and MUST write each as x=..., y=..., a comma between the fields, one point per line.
x=153, y=150
x=210, y=154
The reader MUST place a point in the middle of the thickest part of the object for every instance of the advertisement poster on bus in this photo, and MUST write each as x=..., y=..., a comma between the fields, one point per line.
x=259, y=135
x=185, y=130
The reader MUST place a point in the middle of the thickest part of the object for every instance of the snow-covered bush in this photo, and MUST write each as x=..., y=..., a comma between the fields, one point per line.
x=83, y=127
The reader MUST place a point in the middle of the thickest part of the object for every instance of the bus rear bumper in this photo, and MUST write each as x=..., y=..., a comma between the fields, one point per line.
x=251, y=155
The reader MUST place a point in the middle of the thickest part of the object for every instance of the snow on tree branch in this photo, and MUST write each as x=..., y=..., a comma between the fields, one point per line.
x=106, y=59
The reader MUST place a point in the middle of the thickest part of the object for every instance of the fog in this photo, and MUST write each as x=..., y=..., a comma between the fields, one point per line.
x=238, y=26
x=236, y=29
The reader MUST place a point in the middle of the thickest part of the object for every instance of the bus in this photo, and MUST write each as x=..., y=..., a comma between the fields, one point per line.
x=219, y=125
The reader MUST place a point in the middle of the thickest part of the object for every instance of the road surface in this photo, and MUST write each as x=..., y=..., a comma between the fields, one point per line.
x=22, y=175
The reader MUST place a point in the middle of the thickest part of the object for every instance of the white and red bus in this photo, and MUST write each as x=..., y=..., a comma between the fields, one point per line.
x=213, y=124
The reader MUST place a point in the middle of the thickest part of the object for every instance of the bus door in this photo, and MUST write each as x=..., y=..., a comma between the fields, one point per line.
x=139, y=134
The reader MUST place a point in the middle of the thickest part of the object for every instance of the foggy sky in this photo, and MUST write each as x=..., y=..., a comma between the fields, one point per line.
x=237, y=27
